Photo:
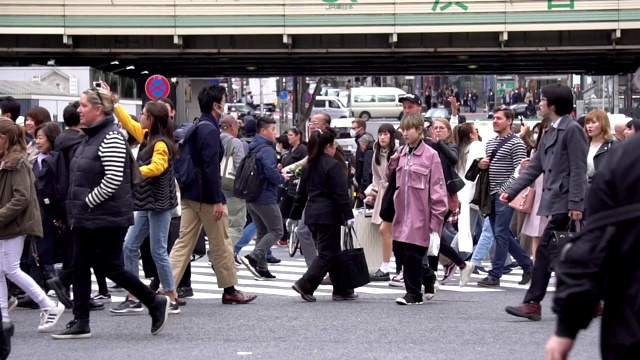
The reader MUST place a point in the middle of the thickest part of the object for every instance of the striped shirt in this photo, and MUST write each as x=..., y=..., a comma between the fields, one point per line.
x=113, y=154
x=503, y=166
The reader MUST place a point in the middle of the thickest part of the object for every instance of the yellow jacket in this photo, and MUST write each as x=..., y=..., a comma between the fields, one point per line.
x=160, y=158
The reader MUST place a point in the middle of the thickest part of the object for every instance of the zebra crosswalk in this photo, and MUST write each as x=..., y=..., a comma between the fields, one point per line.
x=204, y=285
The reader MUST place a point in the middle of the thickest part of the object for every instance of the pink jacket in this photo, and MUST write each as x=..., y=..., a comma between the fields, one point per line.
x=421, y=196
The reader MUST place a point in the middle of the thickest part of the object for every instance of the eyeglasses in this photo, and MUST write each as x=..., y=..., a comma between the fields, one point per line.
x=98, y=94
x=142, y=114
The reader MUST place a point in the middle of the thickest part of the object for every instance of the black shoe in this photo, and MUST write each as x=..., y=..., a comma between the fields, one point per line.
x=154, y=285
x=8, y=328
x=526, y=278
x=76, y=329
x=273, y=260
x=61, y=292
x=27, y=303
x=408, y=300
x=251, y=264
x=305, y=296
x=185, y=292
x=95, y=306
x=506, y=270
x=265, y=275
x=159, y=314
x=235, y=259
x=5, y=339
x=349, y=297
x=380, y=276
x=489, y=282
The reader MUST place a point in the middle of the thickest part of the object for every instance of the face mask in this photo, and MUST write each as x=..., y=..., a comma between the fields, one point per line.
x=535, y=137
x=353, y=133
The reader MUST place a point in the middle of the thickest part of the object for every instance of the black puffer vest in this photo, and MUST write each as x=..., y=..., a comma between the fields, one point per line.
x=86, y=173
x=156, y=193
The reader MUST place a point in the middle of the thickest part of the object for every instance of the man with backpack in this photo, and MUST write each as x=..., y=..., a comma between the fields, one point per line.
x=263, y=208
x=197, y=170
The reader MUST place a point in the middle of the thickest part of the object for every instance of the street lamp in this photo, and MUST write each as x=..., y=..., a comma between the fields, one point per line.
x=130, y=67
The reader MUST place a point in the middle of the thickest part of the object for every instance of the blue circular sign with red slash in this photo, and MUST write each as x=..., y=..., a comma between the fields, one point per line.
x=157, y=86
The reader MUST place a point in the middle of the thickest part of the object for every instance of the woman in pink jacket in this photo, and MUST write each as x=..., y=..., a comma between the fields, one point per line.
x=420, y=202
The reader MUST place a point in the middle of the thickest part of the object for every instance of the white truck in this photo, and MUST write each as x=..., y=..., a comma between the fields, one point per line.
x=264, y=91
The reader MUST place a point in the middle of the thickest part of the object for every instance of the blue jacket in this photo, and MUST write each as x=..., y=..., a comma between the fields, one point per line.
x=208, y=153
x=267, y=171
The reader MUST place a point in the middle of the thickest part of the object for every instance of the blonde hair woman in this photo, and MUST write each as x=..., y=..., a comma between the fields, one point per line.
x=598, y=129
x=100, y=210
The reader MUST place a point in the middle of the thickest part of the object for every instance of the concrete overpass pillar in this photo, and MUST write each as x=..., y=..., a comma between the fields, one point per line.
x=183, y=98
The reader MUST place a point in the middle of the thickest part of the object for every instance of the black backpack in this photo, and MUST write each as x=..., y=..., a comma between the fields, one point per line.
x=52, y=184
x=185, y=170
x=247, y=185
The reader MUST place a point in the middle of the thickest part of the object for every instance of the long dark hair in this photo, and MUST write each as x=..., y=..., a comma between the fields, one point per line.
x=161, y=126
x=318, y=142
x=462, y=138
x=544, y=125
x=389, y=129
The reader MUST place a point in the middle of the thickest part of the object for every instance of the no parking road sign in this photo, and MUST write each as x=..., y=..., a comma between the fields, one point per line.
x=157, y=86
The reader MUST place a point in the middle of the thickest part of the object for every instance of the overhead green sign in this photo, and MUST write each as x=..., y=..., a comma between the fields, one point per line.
x=338, y=6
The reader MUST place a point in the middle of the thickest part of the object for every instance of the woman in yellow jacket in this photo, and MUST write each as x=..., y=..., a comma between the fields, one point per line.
x=154, y=198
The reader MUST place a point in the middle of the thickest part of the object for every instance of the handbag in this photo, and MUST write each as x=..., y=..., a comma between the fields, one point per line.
x=523, y=202
x=559, y=239
x=387, y=206
x=352, y=264
x=227, y=174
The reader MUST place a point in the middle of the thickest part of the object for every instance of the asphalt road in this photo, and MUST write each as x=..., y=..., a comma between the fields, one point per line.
x=454, y=325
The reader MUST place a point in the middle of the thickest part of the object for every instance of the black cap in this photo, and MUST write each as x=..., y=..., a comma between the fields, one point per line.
x=411, y=97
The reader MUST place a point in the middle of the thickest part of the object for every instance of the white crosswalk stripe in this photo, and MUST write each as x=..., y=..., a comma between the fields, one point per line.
x=204, y=285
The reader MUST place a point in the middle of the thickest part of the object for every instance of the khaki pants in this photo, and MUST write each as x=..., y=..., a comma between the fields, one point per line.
x=196, y=215
x=237, y=217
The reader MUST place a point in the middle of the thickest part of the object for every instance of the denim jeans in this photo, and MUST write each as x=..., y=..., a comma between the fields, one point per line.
x=156, y=225
x=484, y=244
x=248, y=234
x=505, y=241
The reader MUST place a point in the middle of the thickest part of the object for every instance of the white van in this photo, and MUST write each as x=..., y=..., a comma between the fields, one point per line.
x=332, y=106
x=375, y=102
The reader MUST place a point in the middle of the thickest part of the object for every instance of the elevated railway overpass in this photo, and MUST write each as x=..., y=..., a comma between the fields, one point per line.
x=195, y=38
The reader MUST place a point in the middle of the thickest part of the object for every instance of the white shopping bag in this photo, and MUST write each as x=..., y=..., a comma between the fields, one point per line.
x=434, y=244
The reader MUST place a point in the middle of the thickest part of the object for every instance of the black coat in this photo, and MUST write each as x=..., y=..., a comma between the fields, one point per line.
x=324, y=191
x=86, y=173
x=603, y=153
x=602, y=263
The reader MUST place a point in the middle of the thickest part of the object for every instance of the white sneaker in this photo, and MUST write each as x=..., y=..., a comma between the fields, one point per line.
x=49, y=317
x=398, y=280
x=465, y=274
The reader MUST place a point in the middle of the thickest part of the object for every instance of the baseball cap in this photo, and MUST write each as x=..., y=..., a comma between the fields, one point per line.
x=410, y=97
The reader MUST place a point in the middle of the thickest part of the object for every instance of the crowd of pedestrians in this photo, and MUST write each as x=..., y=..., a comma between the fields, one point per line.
x=438, y=194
